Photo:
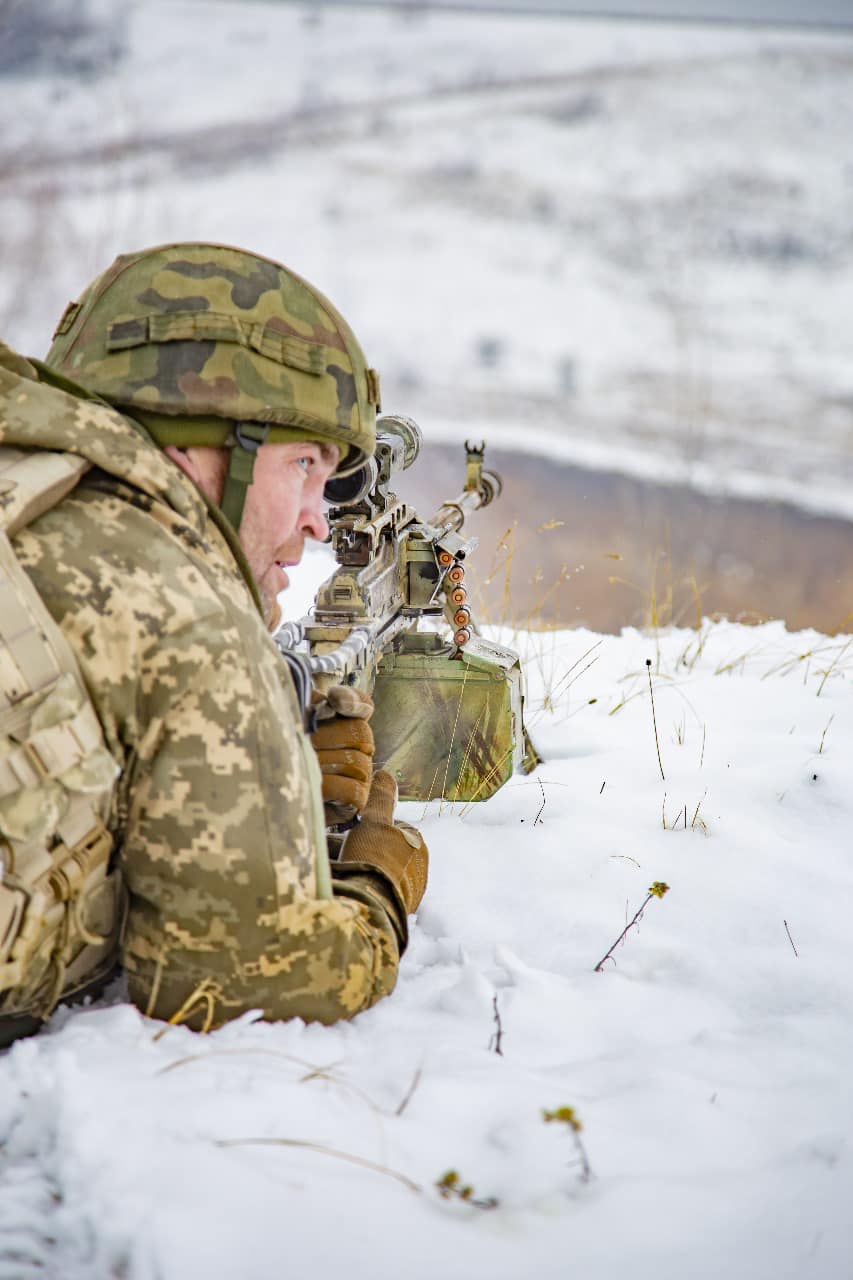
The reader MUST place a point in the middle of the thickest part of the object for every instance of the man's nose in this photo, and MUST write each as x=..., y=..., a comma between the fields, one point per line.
x=314, y=523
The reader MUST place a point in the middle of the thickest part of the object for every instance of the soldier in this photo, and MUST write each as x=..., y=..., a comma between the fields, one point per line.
x=204, y=396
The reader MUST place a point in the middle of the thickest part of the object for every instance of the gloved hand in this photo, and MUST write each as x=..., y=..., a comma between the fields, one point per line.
x=396, y=849
x=343, y=741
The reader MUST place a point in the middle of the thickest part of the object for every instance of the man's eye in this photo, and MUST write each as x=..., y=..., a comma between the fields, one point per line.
x=305, y=463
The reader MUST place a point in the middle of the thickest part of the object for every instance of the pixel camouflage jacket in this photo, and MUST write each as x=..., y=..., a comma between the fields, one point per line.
x=216, y=812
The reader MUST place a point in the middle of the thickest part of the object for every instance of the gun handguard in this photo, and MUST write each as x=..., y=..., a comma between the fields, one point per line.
x=346, y=657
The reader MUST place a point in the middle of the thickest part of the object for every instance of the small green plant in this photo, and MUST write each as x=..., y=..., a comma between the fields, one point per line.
x=657, y=889
x=451, y=1187
x=565, y=1115
x=569, y=1117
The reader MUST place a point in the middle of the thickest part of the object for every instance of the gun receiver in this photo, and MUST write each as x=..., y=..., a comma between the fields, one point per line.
x=437, y=702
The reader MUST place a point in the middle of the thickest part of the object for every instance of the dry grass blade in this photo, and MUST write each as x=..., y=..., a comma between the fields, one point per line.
x=453, y=739
x=654, y=717
x=565, y=683
x=544, y=598
x=832, y=666
x=312, y=1070
x=486, y=779
x=697, y=821
x=791, y=663
x=565, y=679
x=242, y=1053
x=322, y=1149
x=724, y=668
x=472, y=738
x=538, y=817
x=825, y=732
x=410, y=1092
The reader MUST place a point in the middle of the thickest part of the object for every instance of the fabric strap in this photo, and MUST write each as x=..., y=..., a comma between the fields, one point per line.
x=241, y=469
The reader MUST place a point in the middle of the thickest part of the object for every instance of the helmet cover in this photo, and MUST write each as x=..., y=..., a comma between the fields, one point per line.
x=219, y=335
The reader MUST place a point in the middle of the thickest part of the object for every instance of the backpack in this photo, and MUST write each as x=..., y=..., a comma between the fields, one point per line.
x=62, y=905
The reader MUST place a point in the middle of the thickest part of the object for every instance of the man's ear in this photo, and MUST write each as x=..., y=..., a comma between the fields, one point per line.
x=184, y=459
x=206, y=466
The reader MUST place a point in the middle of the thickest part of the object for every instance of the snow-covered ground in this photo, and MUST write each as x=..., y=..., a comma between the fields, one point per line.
x=627, y=245
x=709, y=1064
x=621, y=245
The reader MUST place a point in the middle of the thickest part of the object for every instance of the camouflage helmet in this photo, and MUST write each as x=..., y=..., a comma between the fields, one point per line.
x=211, y=345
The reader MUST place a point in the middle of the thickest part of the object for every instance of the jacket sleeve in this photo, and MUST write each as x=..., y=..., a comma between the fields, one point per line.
x=218, y=809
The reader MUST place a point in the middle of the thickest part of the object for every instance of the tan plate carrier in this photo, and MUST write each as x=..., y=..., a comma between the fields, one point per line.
x=61, y=905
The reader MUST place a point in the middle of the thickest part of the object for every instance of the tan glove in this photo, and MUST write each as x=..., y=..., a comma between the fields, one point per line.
x=343, y=741
x=395, y=849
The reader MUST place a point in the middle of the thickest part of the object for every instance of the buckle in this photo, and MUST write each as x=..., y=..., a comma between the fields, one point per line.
x=246, y=442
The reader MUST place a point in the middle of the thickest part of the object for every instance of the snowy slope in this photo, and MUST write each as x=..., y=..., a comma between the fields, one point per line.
x=627, y=243
x=617, y=244
x=708, y=1063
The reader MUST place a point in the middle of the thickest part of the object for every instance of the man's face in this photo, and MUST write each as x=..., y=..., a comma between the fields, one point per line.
x=284, y=506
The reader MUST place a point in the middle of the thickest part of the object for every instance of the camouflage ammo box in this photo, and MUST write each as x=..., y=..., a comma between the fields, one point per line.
x=448, y=726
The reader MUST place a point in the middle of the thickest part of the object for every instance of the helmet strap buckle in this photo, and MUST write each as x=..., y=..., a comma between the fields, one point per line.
x=241, y=468
x=247, y=442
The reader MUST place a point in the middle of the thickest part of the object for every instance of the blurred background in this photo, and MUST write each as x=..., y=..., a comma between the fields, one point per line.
x=617, y=249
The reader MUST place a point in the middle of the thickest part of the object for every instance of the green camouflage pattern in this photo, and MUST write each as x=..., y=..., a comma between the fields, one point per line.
x=217, y=809
x=448, y=728
x=212, y=332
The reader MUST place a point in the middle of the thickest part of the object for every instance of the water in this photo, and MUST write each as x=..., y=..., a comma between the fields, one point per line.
x=568, y=547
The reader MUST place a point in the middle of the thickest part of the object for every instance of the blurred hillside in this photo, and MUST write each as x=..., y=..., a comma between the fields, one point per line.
x=769, y=12
x=621, y=246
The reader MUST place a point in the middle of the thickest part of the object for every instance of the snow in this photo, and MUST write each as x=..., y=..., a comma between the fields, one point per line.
x=631, y=241
x=708, y=1063
x=611, y=244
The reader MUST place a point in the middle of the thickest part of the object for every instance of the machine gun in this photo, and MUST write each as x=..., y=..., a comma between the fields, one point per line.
x=449, y=711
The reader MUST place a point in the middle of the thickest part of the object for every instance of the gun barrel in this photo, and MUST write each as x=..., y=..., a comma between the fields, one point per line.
x=450, y=516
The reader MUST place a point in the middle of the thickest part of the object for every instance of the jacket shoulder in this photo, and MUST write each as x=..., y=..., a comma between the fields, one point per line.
x=14, y=362
x=32, y=482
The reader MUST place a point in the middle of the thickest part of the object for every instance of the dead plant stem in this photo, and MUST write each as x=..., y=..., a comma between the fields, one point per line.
x=322, y=1150
x=628, y=926
x=654, y=717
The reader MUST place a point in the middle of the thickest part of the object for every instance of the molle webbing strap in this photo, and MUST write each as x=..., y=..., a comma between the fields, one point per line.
x=25, y=664
x=33, y=650
x=210, y=326
x=48, y=753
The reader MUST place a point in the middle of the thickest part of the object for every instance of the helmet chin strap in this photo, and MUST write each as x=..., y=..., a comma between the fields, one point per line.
x=249, y=437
